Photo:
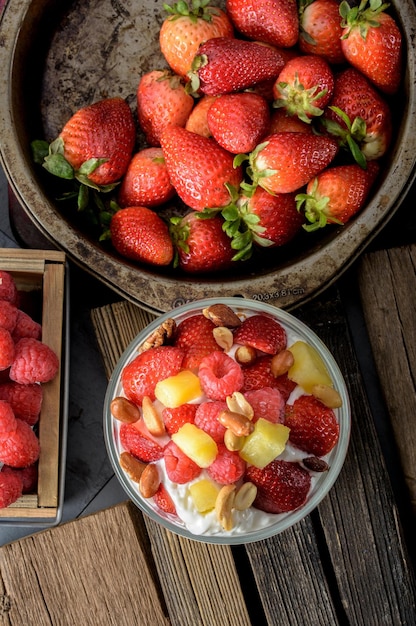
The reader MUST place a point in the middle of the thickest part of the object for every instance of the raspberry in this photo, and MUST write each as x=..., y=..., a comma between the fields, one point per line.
x=220, y=375
x=164, y=501
x=143, y=448
x=25, y=400
x=179, y=467
x=206, y=418
x=10, y=487
x=267, y=403
x=26, y=327
x=8, y=315
x=34, y=362
x=228, y=466
x=20, y=447
x=8, y=289
x=7, y=349
x=313, y=426
x=176, y=417
x=7, y=418
x=29, y=476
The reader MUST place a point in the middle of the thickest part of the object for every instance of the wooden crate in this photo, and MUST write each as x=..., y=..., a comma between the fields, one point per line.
x=42, y=274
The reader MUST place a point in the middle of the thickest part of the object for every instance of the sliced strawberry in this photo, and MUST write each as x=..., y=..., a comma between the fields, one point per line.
x=259, y=375
x=179, y=467
x=174, y=418
x=143, y=448
x=282, y=486
x=195, y=336
x=228, y=467
x=262, y=333
x=163, y=500
x=313, y=426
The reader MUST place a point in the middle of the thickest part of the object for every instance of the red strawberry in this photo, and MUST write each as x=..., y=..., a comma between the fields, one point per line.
x=360, y=113
x=174, y=418
x=164, y=501
x=336, y=194
x=313, y=426
x=272, y=21
x=199, y=168
x=239, y=121
x=281, y=122
x=140, y=234
x=372, y=43
x=258, y=375
x=146, y=182
x=224, y=65
x=98, y=141
x=281, y=486
x=304, y=87
x=202, y=245
x=320, y=29
x=228, y=467
x=195, y=336
x=179, y=467
x=140, y=376
x=284, y=162
x=262, y=333
x=197, y=121
x=188, y=25
x=143, y=448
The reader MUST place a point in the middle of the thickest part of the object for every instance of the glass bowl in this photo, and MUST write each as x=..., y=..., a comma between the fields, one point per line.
x=264, y=525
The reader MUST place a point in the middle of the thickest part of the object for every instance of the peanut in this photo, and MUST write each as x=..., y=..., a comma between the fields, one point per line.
x=237, y=403
x=151, y=418
x=239, y=424
x=222, y=315
x=132, y=466
x=281, y=363
x=124, y=410
x=327, y=395
x=224, y=506
x=245, y=355
x=224, y=337
x=232, y=441
x=149, y=481
x=245, y=496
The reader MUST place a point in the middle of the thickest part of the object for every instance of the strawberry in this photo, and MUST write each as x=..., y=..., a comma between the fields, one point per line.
x=140, y=376
x=272, y=21
x=284, y=162
x=140, y=234
x=199, y=168
x=313, y=426
x=304, y=87
x=227, y=468
x=258, y=375
x=281, y=122
x=336, y=194
x=188, y=25
x=95, y=145
x=281, y=486
x=201, y=244
x=321, y=30
x=163, y=500
x=359, y=117
x=262, y=333
x=146, y=182
x=224, y=65
x=195, y=336
x=161, y=100
x=174, y=418
x=372, y=43
x=143, y=448
x=239, y=121
x=197, y=121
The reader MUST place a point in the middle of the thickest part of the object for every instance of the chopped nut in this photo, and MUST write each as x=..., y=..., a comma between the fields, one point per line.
x=160, y=336
x=281, y=363
x=237, y=403
x=245, y=496
x=238, y=423
x=327, y=395
x=315, y=464
x=222, y=315
x=245, y=355
x=224, y=337
x=151, y=418
x=224, y=506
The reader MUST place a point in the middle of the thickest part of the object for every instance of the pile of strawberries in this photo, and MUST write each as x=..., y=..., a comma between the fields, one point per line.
x=25, y=363
x=271, y=117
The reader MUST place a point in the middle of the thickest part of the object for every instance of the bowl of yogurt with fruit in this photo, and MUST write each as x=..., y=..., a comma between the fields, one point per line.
x=227, y=420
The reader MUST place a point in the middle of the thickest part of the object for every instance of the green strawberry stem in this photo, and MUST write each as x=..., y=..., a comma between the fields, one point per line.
x=349, y=137
x=363, y=17
x=299, y=101
x=196, y=9
x=316, y=209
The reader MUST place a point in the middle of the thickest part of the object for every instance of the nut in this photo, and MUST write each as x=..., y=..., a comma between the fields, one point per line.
x=222, y=315
x=245, y=355
x=224, y=506
x=149, y=481
x=160, y=335
x=224, y=337
x=233, y=442
x=315, y=464
x=238, y=423
x=281, y=363
x=124, y=410
x=327, y=395
x=151, y=418
x=237, y=403
x=132, y=466
x=245, y=496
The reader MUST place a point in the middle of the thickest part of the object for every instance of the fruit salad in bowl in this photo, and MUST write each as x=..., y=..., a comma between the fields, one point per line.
x=227, y=420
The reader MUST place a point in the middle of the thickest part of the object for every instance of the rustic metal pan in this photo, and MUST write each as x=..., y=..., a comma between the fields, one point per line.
x=57, y=56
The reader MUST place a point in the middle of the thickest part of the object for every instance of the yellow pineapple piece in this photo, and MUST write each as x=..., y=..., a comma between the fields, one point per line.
x=265, y=443
x=204, y=494
x=308, y=369
x=179, y=389
x=196, y=444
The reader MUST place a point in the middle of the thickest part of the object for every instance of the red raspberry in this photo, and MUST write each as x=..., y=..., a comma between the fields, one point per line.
x=25, y=400
x=220, y=375
x=176, y=417
x=19, y=448
x=164, y=501
x=206, y=418
x=7, y=349
x=313, y=426
x=10, y=487
x=29, y=476
x=8, y=315
x=142, y=447
x=26, y=327
x=262, y=333
x=7, y=419
x=281, y=486
x=228, y=467
x=34, y=362
x=179, y=467
x=8, y=289
x=267, y=403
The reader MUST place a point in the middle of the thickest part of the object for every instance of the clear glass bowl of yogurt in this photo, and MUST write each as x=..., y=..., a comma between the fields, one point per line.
x=251, y=523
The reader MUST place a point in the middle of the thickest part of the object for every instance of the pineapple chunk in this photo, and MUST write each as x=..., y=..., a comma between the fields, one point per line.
x=308, y=369
x=179, y=389
x=204, y=494
x=196, y=444
x=265, y=443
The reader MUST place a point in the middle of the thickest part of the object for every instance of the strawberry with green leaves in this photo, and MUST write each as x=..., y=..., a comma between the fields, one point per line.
x=372, y=43
x=199, y=168
x=336, y=194
x=161, y=100
x=321, y=30
x=187, y=26
x=271, y=21
x=146, y=182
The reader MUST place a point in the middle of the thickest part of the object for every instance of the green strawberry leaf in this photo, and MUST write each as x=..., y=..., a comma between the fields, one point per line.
x=40, y=150
x=57, y=165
